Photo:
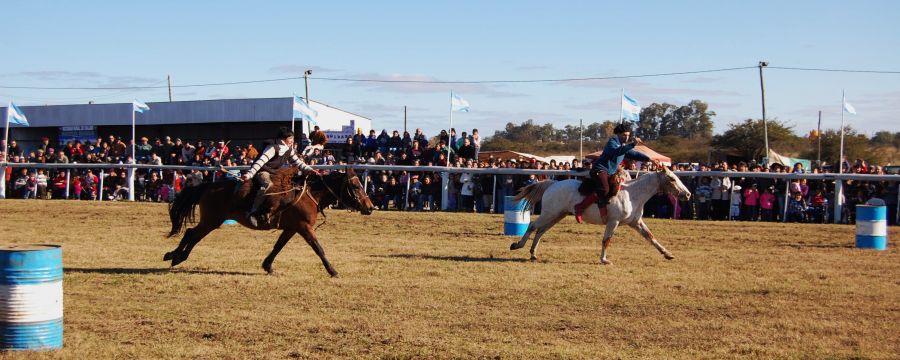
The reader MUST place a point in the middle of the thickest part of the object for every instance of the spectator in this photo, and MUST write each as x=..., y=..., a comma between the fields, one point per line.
x=20, y=184
x=720, y=197
x=703, y=194
x=818, y=207
x=750, y=210
x=14, y=149
x=735, y=209
x=466, y=150
x=767, y=204
x=40, y=184
x=415, y=193
x=143, y=150
x=476, y=141
x=797, y=208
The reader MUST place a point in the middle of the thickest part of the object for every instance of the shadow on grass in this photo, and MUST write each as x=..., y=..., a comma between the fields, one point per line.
x=451, y=258
x=145, y=271
x=821, y=246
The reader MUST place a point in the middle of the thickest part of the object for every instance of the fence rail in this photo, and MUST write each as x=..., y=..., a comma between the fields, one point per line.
x=838, y=179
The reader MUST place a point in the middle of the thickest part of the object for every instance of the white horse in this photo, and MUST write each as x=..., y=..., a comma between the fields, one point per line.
x=558, y=199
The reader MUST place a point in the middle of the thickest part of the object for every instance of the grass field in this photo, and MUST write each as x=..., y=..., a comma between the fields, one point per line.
x=427, y=285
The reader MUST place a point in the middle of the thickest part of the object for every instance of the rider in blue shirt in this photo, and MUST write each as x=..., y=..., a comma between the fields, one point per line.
x=608, y=162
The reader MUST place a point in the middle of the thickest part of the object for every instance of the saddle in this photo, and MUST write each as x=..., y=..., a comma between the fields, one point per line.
x=615, y=183
x=286, y=186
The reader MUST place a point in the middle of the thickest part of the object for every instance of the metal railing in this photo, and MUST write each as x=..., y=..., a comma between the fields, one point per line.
x=838, y=179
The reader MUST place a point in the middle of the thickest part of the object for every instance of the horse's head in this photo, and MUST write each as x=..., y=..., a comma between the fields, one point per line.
x=353, y=194
x=672, y=184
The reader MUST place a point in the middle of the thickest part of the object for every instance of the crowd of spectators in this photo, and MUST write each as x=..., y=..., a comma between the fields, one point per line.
x=714, y=197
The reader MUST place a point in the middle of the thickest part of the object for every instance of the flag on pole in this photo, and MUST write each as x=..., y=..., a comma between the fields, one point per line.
x=631, y=109
x=457, y=103
x=849, y=108
x=139, y=107
x=303, y=111
x=15, y=115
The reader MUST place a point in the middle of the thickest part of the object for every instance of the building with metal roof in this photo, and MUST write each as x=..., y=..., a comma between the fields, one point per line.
x=239, y=120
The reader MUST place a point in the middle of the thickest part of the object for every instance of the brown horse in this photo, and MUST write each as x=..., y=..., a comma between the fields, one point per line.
x=296, y=212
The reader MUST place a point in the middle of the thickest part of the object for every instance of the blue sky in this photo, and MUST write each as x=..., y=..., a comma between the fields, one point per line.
x=110, y=43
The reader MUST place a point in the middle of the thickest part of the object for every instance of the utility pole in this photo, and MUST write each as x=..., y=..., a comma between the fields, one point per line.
x=581, y=140
x=762, y=87
x=819, y=137
x=306, y=75
x=169, y=80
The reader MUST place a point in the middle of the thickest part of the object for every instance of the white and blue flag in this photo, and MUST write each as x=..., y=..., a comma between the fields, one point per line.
x=849, y=108
x=15, y=115
x=631, y=109
x=303, y=111
x=457, y=103
x=140, y=107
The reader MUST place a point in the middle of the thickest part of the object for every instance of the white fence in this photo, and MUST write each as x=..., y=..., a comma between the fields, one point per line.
x=828, y=177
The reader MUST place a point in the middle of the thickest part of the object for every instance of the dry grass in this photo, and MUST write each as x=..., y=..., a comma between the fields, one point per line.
x=417, y=285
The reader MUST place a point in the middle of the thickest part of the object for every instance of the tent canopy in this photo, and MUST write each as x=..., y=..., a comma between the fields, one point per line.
x=642, y=149
x=776, y=158
x=506, y=154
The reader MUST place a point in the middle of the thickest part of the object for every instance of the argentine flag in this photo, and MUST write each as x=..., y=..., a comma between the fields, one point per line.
x=457, y=103
x=303, y=111
x=631, y=110
x=849, y=108
x=15, y=115
x=140, y=107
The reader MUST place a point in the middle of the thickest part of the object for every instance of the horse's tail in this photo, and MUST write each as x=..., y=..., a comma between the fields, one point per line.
x=532, y=194
x=181, y=210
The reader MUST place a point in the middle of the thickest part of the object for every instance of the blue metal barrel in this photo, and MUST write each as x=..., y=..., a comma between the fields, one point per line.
x=515, y=217
x=871, y=227
x=31, y=297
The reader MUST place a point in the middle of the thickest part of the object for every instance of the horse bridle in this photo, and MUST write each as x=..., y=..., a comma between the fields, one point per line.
x=344, y=187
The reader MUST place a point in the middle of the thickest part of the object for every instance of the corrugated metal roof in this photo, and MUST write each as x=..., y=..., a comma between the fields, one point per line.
x=176, y=112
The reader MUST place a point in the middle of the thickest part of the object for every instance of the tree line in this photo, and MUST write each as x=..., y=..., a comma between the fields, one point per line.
x=685, y=133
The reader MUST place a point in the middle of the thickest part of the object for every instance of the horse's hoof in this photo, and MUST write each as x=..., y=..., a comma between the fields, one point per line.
x=335, y=276
x=668, y=256
x=514, y=247
x=533, y=258
x=605, y=262
x=167, y=256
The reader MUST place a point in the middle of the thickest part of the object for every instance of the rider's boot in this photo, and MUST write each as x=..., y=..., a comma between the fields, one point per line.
x=579, y=209
x=254, y=215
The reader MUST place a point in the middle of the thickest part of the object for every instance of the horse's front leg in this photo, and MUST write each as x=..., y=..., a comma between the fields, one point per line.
x=309, y=235
x=282, y=241
x=642, y=228
x=607, y=238
x=191, y=237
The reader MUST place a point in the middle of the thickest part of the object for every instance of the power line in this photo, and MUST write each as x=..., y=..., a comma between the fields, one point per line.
x=536, y=80
x=148, y=87
x=597, y=78
x=380, y=81
x=834, y=70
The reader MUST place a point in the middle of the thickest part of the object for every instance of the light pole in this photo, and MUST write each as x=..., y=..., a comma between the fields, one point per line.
x=762, y=88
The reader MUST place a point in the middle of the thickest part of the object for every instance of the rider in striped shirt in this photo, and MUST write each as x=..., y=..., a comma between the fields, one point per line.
x=273, y=158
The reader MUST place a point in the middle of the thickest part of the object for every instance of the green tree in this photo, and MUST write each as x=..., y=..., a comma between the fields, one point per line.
x=747, y=139
x=695, y=120
x=886, y=138
x=687, y=121
x=856, y=146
